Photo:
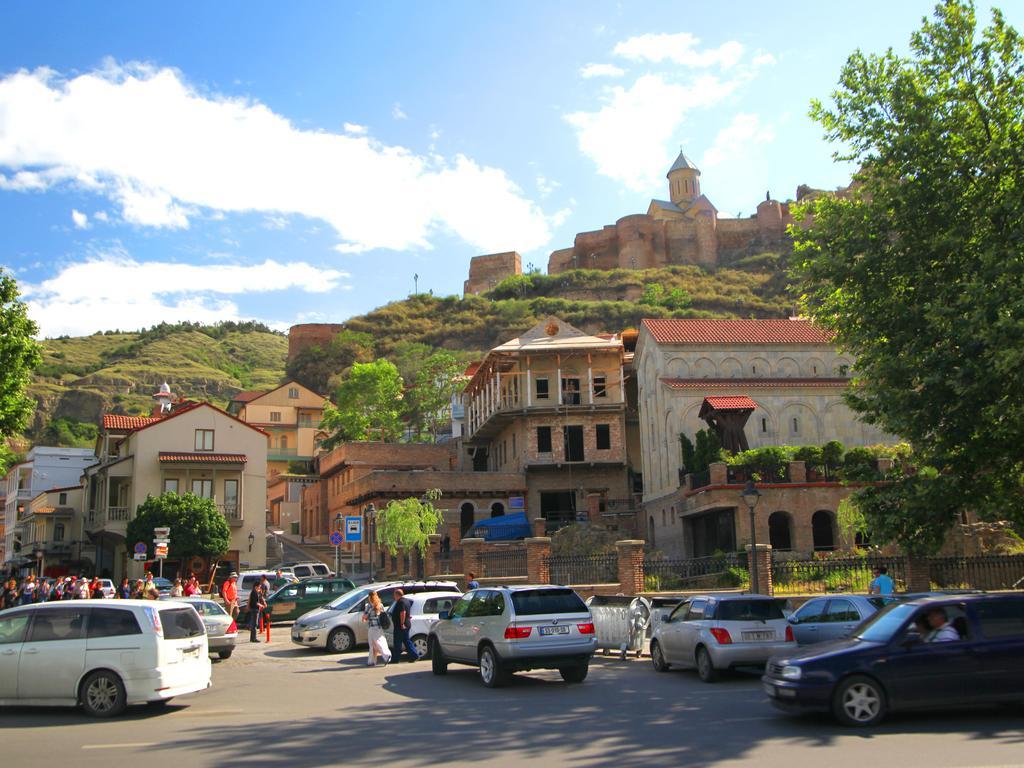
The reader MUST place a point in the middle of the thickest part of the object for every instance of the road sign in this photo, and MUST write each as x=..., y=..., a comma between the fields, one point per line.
x=335, y=538
x=353, y=528
x=162, y=533
x=160, y=551
x=161, y=541
x=139, y=556
x=517, y=503
x=140, y=548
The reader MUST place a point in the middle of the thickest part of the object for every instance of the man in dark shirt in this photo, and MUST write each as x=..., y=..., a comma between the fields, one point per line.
x=400, y=620
x=257, y=604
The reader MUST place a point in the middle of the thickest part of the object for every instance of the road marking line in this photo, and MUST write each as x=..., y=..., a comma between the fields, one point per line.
x=131, y=745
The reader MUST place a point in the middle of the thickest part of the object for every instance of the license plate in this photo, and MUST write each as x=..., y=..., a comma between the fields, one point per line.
x=770, y=690
x=754, y=636
x=190, y=653
x=554, y=630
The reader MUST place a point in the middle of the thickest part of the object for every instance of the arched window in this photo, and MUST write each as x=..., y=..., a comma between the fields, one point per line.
x=467, y=516
x=823, y=531
x=780, y=534
x=663, y=520
x=497, y=509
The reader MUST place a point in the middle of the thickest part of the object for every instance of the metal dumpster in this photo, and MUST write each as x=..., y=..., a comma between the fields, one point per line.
x=620, y=623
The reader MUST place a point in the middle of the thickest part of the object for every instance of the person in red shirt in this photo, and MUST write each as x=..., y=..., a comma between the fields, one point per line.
x=229, y=591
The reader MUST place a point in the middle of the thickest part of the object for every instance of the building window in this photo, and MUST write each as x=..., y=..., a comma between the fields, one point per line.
x=275, y=415
x=204, y=439
x=58, y=532
x=542, y=389
x=573, y=439
x=284, y=442
x=663, y=521
x=513, y=446
x=796, y=426
x=293, y=393
x=753, y=369
x=202, y=488
x=570, y=391
x=764, y=425
x=543, y=439
x=600, y=386
x=231, y=497
x=62, y=498
x=171, y=485
x=604, y=437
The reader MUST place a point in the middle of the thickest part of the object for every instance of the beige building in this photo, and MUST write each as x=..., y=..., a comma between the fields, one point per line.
x=780, y=381
x=192, y=447
x=52, y=532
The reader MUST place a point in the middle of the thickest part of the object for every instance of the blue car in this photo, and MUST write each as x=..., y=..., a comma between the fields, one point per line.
x=833, y=617
x=935, y=652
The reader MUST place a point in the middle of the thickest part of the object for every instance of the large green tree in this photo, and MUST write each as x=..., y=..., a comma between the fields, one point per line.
x=428, y=403
x=369, y=405
x=407, y=523
x=919, y=269
x=198, y=529
x=19, y=356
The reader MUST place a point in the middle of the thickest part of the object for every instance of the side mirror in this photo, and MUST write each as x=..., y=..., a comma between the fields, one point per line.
x=793, y=620
x=443, y=615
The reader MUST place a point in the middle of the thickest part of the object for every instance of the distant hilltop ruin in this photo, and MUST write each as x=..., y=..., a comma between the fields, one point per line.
x=685, y=229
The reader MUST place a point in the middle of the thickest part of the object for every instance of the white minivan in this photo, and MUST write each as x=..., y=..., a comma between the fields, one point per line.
x=101, y=654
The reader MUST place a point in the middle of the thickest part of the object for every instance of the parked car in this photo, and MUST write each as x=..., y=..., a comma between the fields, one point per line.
x=718, y=632
x=888, y=665
x=163, y=586
x=293, y=600
x=101, y=655
x=833, y=617
x=309, y=570
x=249, y=579
x=338, y=626
x=503, y=630
x=425, y=609
x=221, y=629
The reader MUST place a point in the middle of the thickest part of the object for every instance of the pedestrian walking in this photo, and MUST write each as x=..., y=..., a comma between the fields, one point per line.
x=28, y=590
x=229, y=591
x=400, y=618
x=374, y=615
x=471, y=582
x=257, y=604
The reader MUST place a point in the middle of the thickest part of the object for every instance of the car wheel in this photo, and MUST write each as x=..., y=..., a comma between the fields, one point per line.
x=438, y=663
x=421, y=645
x=102, y=694
x=341, y=640
x=705, y=667
x=658, y=657
x=225, y=654
x=491, y=673
x=575, y=674
x=859, y=701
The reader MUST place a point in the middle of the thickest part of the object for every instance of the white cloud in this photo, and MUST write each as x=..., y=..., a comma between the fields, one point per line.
x=79, y=219
x=546, y=186
x=763, y=60
x=355, y=128
x=166, y=152
x=397, y=112
x=628, y=137
x=101, y=216
x=680, y=48
x=601, y=70
x=115, y=291
x=736, y=139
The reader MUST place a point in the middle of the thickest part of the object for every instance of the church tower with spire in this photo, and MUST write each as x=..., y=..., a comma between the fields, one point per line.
x=683, y=181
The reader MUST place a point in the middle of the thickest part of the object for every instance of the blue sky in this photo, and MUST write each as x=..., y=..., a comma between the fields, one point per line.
x=301, y=162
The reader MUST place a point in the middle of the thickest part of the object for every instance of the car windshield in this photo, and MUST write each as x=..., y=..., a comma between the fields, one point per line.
x=347, y=600
x=748, y=610
x=883, y=625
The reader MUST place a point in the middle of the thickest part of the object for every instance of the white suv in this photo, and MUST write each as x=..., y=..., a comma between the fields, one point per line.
x=310, y=570
x=338, y=626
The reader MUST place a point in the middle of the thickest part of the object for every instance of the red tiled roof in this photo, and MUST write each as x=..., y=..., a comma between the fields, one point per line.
x=119, y=422
x=205, y=458
x=729, y=403
x=248, y=396
x=752, y=383
x=798, y=331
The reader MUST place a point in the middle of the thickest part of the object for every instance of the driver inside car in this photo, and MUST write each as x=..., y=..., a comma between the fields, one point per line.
x=942, y=629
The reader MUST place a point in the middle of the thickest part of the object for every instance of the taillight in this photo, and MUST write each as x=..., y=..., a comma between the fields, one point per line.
x=722, y=636
x=586, y=629
x=512, y=632
x=232, y=627
x=789, y=634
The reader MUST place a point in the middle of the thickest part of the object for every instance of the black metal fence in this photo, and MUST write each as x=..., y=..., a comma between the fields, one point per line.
x=978, y=572
x=503, y=561
x=702, y=479
x=722, y=571
x=584, y=569
x=449, y=562
x=834, y=574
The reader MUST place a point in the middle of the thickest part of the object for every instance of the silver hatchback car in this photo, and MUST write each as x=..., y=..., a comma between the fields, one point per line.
x=503, y=630
x=717, y=632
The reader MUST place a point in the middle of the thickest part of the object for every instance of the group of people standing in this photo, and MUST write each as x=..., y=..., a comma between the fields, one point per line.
x=42, y=590
x=187, y=587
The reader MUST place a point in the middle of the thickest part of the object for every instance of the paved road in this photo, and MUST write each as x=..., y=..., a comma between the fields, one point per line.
x=281, y=705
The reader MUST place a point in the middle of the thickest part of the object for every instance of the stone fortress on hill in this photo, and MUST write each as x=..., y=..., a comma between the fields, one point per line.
x=685, y=229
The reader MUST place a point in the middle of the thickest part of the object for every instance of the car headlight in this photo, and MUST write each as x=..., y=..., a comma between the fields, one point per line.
x=314, y=627
x=792, y=672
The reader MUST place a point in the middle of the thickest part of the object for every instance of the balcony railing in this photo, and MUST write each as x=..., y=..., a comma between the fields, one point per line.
x=232, y=513
x=309, y=423
x=118, y=514
x=283, y=452
x=24, y=494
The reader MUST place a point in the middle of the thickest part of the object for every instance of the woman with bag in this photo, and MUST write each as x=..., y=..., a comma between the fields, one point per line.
x=379, y=622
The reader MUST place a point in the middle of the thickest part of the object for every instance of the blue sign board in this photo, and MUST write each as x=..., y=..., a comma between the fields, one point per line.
x=353, y=528
x=517, y=503
x=335, y=538
x=140, y=548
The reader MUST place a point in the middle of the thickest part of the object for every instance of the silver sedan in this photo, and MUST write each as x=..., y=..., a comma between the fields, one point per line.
x=221, y=629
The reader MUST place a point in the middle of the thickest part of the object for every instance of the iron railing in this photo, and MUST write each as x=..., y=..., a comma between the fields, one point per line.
x=716, y=571
x=449, y=562
x=503, y=561
x=601, y=568
x=834, y=574
x=701, y=479
x=978, y=572
x=232, y=512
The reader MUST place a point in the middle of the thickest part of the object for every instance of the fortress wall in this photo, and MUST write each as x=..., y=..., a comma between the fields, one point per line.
x=308, y=335
x=488, y=270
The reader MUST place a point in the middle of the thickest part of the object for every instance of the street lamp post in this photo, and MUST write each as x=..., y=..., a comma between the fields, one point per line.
x=338, y=520
x=252, y=540
x=751, y=496
x=371, y=513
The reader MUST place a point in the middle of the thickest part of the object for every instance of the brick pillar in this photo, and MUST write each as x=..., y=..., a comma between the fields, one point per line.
x=762, y=560
x=538, y=550
x=594, y=508
x=430, y=564
x=798, y=471
x=631, y=565
x=919, y=578
x=471, y=549
x=454, y=535
x=540, y=527
x=719, y=473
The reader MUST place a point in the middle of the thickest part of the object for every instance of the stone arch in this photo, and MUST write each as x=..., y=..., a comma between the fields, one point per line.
x=678, y=368
x=787, y=368
x=823, y=531
x=780, y=530
x=497, y=509
x=704, y=368
x=730, y=368
x=799, y=425
x=467, y=516
x=759, y=368
x=816, y=367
